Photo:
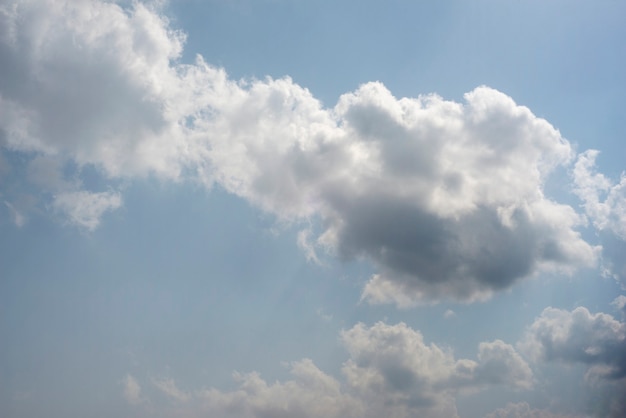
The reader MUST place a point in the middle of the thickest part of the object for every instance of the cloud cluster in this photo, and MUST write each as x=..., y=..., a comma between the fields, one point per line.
x=395, y=370
x=578, y=336
x=445, y=198
x=524, y=410
x=390, y=372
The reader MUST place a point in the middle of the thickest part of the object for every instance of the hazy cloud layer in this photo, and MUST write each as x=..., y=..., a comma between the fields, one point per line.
x=597, y=340
x=132, y=390
x=523, y=410
x=444, y=198
x=390, y=372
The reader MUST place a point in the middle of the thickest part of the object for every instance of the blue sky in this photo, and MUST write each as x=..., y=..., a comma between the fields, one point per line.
x=285, y=208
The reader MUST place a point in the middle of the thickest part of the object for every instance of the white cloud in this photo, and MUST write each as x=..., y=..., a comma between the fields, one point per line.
x=168, y=387
x=597, y=340
x=604, y=201
x=444, y=198
x=391, y=365
x=311, y=394
x=132, y=390
x=84, y=209
x=390, y=372
x=620, y=303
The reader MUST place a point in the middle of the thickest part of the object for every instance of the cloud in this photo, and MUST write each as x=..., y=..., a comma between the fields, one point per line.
x=168, y=387
x=620, y=303
x=84, y=209
x=604, y=201
x=578, y=336
x=391, y=365
x=449, y=313
x=132, y=390
x=390, y=372
x=91, y=81
x=311, y=394
x=445, y=198
x=523, y=410
x=18, y=218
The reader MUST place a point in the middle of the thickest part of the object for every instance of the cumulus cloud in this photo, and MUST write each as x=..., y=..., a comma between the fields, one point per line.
x=391, y=372
x=578, y=336
x=91, y=81
x=445, y=198
x=394, y=368
x=311, y=394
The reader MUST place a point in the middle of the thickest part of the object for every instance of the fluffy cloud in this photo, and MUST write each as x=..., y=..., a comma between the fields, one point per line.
x=311, y=394
x=93, y=82
x=393, y=367
x=390, y=372
x=444, y=198
x=597, y=340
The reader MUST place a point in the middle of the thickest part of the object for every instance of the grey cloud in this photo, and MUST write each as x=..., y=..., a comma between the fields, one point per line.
x=392, y=365
x=500, y=364
x=597, y=340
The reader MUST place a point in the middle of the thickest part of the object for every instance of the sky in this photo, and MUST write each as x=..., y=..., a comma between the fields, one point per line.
x=306, y=209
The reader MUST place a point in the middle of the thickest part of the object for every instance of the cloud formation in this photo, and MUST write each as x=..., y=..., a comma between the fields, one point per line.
x=578, y=336
x=392, y=367
x=604, y=202
x=390, y=372
x=524, y=410
x=445, y=198
x=132, y=390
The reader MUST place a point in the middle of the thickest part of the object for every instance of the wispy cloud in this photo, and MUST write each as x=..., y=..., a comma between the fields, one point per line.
x=132, y=390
